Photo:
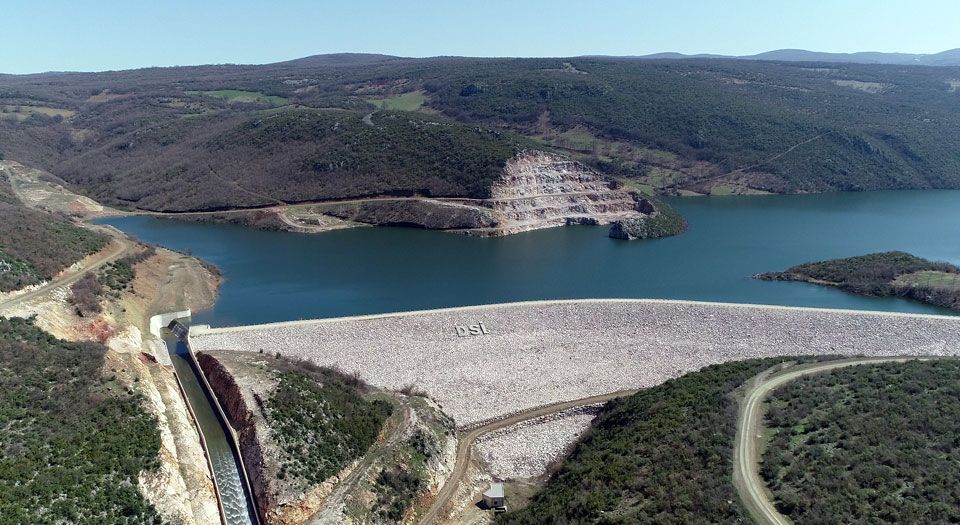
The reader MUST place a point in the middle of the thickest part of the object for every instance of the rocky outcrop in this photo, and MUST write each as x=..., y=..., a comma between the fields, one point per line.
x=541, y=190
x=535, y=190
x=662, y=221
x=241, y=418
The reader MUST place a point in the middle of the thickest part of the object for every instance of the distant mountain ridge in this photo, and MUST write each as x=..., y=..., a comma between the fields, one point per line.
x=950, y=57
x=946, y=58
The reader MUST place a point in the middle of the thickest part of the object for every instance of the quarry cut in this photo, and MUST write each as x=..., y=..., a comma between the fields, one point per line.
x=535, y=190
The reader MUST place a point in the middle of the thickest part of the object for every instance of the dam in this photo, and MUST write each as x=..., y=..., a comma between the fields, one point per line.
x=531, y=354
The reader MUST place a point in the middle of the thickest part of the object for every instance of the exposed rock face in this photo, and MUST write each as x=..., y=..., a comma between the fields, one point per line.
x=539, y=190
x=661, y=222
x=241, y=419
x=536, y=190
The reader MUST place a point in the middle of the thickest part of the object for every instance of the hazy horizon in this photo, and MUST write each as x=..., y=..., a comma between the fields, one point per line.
x=69, y=36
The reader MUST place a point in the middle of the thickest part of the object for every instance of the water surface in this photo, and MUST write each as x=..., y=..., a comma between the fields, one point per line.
x=276, y=276
x=226, y=466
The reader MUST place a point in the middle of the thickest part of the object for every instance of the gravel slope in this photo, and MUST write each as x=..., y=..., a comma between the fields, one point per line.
x=547, y=352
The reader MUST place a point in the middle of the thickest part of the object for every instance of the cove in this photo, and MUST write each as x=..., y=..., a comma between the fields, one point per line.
x=278, y=276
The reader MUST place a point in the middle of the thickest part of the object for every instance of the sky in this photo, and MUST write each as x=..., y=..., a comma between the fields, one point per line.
x=97, y=35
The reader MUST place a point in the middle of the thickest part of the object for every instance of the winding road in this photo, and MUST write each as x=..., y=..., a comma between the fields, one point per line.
x=466, y=444
x=117, y=249
x=750, y=487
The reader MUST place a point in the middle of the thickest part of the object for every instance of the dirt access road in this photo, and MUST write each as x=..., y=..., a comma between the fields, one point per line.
x=332, y=511
x=466, y=444
x=117, y=249
x=750, y=487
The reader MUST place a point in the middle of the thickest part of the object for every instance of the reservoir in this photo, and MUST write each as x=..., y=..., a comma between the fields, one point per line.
x=278, y=276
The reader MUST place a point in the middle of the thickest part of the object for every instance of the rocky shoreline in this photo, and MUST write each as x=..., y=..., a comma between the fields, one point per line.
x=536, y=190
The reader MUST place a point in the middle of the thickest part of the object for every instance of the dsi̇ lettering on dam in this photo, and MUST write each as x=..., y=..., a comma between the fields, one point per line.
x=471, y=330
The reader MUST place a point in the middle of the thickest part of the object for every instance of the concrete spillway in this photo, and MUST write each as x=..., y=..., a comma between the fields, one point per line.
x=224, y=458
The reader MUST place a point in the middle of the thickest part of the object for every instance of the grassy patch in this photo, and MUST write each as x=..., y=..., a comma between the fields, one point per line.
x=406, y=102
x=930, y=279
x=660, y=177
x=636, y=185
x=236, y=95
x=25, y=112
x=72, y=444
x=867, y=87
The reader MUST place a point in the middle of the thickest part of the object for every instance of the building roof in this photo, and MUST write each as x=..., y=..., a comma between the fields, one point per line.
x=495, y=491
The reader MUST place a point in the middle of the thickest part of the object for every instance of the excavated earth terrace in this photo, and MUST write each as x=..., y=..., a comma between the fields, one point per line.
x=527, y=355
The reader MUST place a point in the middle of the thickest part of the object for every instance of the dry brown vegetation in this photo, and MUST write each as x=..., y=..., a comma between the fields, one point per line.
x=156, y=139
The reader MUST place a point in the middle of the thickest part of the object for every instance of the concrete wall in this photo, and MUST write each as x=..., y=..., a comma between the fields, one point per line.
x=154, y=341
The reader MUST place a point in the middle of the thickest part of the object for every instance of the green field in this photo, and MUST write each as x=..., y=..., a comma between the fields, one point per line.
x=235, y=95
x=930, y=278
x=412, y=101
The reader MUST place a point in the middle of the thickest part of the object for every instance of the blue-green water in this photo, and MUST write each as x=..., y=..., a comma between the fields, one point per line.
x=275, y=276
x=223, y=459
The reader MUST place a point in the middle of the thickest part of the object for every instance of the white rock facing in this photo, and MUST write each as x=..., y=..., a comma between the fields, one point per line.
x=527, y=449
x=548, y=352
x=539, y=190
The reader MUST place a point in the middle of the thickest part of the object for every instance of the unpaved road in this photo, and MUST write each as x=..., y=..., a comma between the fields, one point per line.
x=332, y=511
x=466, y=444
x=117, y=249
x=750, y=487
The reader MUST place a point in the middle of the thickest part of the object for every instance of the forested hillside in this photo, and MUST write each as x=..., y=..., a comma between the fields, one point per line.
x=886, y=274
x=73, y=441
x=662, y=456
x=335, y=126
x=867, y=444
x=34, y=245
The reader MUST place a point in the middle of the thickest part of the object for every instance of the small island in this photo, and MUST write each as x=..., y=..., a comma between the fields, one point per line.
x=886, y=274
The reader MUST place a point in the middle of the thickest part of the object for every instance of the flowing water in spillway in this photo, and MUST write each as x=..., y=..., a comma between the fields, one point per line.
x=226, y=466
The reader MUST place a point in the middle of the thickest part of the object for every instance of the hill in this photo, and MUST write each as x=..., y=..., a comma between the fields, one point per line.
x=34, y=245
x=663, y=455
x=945, y=58
x=74, y=441
x=305, y=430
x=867, y=444
x=216, y=137
x=887, y=274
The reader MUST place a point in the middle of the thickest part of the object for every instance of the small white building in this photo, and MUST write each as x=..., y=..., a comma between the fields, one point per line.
x=493, y=498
